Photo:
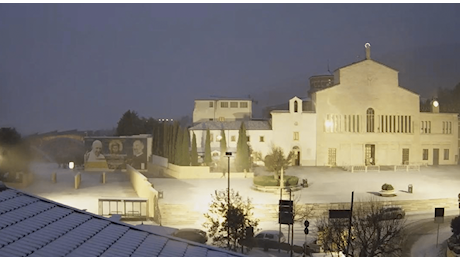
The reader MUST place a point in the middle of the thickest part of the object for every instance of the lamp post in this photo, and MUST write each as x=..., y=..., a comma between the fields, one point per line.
x=228, y=154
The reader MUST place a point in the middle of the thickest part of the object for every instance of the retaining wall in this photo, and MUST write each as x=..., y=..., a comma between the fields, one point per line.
x=144, y=189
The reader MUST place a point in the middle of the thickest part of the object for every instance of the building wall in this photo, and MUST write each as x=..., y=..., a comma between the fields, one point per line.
x=365, y=85
x=284, y=126
x=204, y=111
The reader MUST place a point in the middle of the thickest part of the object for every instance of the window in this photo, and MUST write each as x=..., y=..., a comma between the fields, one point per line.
x=234, y=104
x=243, y=104
x=221, y=119
x=446, y=154
x=425, y=154
x=296, y=106
x=211, y=104
x=296, y=136
x=224, y=104
x=232, y=138
x=370, y=120
x=261, y=139
x=249, y=138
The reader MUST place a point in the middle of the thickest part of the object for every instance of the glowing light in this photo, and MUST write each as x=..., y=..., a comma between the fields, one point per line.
x=435, y=103
x=219, y=138
x=328, y=123
x=71, y=165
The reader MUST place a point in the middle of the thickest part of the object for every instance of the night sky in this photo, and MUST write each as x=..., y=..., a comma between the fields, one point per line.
x=81, y=66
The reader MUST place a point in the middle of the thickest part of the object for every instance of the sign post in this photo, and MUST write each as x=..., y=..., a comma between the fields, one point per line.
x=438, y=218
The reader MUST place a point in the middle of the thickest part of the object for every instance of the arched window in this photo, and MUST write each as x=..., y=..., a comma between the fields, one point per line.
x=295, y=106
x=370, y=120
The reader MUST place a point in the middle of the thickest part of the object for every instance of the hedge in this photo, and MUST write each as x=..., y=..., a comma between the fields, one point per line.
x=270, y=181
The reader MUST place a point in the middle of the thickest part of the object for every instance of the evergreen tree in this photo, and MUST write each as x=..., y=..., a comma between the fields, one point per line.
x=166, y=139
x=185, y=148
x=178, y=158
x=174, y=136
x=130, y=124
x=207, y=149
x=242, y=160
x=194, y=155
x=223, y=149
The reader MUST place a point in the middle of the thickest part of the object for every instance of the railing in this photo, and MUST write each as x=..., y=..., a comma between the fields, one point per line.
x=377, y=168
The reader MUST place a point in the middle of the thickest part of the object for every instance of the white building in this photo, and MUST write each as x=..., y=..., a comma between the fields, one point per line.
x=363, y=118
x=222, y=110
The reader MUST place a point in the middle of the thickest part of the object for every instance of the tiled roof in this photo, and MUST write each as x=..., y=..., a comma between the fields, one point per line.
x=232, y=125
x=34, y=226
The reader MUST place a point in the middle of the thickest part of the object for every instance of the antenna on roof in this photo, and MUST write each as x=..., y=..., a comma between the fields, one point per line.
x=328, y=67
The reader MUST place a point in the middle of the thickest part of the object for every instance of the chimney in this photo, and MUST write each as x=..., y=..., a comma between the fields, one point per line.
x=368, y=51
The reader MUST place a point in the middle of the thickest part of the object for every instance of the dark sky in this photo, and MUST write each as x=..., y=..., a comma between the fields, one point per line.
x=81, y=66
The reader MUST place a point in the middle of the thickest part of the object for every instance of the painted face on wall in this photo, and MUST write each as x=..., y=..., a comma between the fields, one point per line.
x=138, y=146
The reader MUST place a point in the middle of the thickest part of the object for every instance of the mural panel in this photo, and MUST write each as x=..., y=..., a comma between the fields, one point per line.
x=115, y=152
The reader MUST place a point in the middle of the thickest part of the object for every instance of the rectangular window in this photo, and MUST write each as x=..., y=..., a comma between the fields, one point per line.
x=296, y=136
x=394, y=124
x=211, y=104
x=349, y=123
x=248, y=138
x=443, y=123
x=221, y=119
x=243, y=104
x=224, y=104
x=233, y=138
x=354, y=125
x=429, y=127
x=410, y=124
x=345, y=122
x=357, y=123
x=261, y=139
x=425, y=154
x=446, y=154
x=234, y=104
x=390, y=126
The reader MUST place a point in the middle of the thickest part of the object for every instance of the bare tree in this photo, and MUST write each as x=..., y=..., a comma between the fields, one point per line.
x=373, y=232
x=219, y=223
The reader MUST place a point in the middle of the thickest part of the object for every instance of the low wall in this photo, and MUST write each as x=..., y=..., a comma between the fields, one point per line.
x=26, y=180
x=145, y=190
x=159, y=167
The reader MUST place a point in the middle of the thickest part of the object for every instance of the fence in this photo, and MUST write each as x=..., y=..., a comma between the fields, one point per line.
x=378, y=168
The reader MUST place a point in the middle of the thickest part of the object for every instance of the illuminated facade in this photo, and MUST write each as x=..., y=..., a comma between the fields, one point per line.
x=363, y=118
x=366, y=118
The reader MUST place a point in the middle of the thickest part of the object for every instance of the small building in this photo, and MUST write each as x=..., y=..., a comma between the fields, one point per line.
x=225, y=109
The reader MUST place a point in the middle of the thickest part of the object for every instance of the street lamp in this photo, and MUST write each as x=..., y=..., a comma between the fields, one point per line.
x=228, y=154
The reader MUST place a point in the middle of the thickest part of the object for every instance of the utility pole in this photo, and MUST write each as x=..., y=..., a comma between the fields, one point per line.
x=349, y=227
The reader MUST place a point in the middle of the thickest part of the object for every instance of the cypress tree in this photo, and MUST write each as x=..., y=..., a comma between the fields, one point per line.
x=178, y=159
x=223, y=149
x=194, y=155
x=185, y=149
x=242, y=150
x=207, y=149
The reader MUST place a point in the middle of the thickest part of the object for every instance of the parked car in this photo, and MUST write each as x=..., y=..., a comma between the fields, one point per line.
x=271, y=235
x=191, y=234
x=393, y=212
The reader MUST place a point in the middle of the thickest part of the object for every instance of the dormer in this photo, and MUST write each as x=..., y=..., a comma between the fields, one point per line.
x=295, y=105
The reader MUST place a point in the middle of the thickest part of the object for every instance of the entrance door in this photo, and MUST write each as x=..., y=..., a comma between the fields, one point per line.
x=331, y=160
x=405, y=156
x=370, y=154
x=297, y=159
x=435, y=156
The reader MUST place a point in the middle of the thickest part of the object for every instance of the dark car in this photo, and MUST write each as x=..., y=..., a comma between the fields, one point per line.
x=393, y=212
x=191, y=234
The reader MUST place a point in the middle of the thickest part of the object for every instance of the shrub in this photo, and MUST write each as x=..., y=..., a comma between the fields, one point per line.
x=387, y=186
x=270, y=181
x=455, y=225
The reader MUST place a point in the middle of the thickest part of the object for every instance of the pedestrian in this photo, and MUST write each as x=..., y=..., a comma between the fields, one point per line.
x=223, y=173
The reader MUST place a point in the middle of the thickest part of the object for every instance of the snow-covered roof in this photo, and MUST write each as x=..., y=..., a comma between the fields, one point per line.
x=232, y=125
x=34, y=226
